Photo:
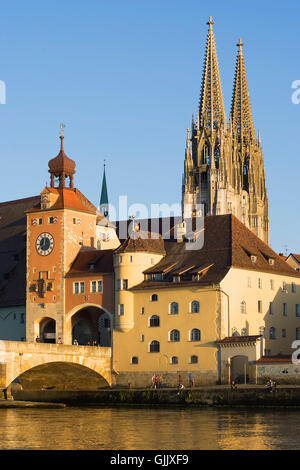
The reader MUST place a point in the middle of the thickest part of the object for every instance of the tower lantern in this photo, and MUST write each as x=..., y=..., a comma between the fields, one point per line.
x=61, y=166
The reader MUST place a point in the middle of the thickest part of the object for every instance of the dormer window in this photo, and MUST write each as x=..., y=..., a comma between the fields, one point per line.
x=271, y=261
x=158, y=277
x=92, y=267
x=253, y=258
x=176, y=278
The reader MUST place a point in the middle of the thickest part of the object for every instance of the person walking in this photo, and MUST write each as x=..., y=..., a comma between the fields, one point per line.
x=153, y=381
x=191, y=380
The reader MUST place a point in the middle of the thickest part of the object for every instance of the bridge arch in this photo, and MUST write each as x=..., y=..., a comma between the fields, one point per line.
x=20, y=357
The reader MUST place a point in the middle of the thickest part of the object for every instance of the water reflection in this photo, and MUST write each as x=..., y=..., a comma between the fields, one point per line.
x=140, y=428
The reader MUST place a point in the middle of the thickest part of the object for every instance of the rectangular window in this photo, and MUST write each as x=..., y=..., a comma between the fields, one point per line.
x=271, y=308
x=82, y=287
x=297, y=310
x=142, y=310
x=74, y=221
x=283, y=331
x=51, y=220
x=93, y=286
x=284, y=286
x=130, y=258
x=121, y=309
x=293, y=286
x=259, y=283
x=76, y=287
x=40, y=221
x=259, y=306
x=284, y=309
x=272, y=284
x=125, y=284
x=99, y=286
x=118, y=284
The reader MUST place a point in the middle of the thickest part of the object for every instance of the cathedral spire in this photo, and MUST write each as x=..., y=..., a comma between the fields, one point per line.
x=104, y=196
x=241, y=115
x=211, y=109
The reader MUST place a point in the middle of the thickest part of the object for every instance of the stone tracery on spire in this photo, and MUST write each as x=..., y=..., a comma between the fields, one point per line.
x=241, y=114
x=211, y=110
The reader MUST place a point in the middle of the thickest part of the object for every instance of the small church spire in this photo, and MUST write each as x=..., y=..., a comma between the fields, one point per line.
x=211, y=109
x=104, y=195
x=241, y=114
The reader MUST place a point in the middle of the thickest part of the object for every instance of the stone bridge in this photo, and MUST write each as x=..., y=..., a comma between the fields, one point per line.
x=18, y=357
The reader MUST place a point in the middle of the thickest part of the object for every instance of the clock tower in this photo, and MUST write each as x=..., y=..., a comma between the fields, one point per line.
x=58, y=227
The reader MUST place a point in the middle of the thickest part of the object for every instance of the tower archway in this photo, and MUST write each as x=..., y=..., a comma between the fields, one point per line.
x=90, y=325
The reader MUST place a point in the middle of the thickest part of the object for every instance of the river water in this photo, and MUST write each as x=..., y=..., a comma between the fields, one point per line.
x=149, y=428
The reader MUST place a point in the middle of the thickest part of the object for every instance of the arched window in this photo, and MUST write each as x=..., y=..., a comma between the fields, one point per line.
x=154, y=320
x=134, y=360
x=243, y=307
x=175, y=336
x=154, y=346
x=206, y=155
x=195, y=306
x=217, y=155
x=154, y=298
x=272, y=333
x=195, y=335
x=174, y=308
x=174, y=360
x=194, y=360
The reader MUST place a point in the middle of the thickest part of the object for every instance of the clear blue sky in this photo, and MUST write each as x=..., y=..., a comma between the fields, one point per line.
x=124, y=76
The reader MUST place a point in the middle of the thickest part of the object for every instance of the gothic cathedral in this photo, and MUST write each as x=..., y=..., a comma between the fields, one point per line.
x=224, y=168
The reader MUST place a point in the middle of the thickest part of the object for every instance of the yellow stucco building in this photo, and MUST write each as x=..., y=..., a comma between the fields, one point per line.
x=211, y=312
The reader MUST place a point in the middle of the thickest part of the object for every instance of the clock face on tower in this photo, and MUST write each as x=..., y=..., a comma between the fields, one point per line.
x=44, y=244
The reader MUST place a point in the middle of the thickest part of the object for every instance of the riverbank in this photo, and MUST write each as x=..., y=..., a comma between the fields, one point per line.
x=214, y=396
x=29, y=404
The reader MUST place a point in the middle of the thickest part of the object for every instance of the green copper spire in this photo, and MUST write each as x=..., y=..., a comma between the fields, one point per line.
x=104, y=196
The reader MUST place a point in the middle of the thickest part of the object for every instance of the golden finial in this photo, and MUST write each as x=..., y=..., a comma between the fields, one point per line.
x=62, y=126
x=240, y=45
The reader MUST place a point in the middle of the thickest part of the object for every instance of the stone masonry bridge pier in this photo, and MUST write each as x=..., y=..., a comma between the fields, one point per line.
x=81, y=367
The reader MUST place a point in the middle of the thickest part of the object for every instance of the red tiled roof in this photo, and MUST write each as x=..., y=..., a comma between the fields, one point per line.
x=13, y=251
x=101, y=259
x=227, y=243
x=239, y=339
x=279, y=358
x=142, y=241
x=68, y=198
x=297, y=257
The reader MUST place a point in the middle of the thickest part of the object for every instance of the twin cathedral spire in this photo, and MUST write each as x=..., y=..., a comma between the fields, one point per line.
x=224, y=169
